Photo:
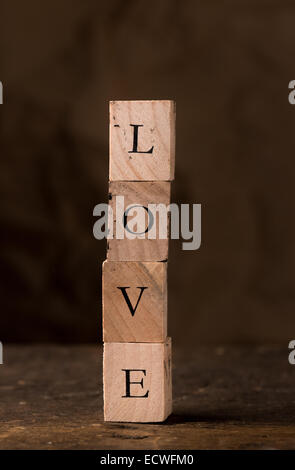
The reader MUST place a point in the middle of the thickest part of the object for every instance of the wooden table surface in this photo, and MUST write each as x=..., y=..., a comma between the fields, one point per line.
x=224, y=398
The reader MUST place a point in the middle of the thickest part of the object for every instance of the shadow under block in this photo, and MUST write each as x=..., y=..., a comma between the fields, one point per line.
x=137, y=382
x=134, y=301
x=142, y=140
x=141, y=194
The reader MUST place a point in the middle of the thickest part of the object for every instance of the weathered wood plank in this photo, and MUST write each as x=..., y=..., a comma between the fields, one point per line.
x=224, y=398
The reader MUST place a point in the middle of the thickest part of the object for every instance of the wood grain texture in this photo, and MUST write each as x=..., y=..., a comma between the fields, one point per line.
x=156, y=133
x=150, y=397
x=138, y=193
x=148, y=323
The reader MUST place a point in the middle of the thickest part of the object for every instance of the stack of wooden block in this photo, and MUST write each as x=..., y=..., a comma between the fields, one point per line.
x=137, y=352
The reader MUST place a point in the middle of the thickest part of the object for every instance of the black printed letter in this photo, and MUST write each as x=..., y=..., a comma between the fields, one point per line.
x=123, y=290
x=135, y=140
x=128, y=383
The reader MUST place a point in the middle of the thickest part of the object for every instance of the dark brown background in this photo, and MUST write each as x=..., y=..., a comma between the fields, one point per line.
x=228, y=65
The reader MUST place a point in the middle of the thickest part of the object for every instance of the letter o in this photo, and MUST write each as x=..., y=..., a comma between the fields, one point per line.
x=150, y=224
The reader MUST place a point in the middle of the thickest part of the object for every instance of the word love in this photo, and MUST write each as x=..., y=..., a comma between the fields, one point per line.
x=137, y=360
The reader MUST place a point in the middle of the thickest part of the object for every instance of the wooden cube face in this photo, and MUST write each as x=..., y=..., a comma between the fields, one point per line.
x=139, y=194
x=142, y=140
x=137, y=382
x=134, y=301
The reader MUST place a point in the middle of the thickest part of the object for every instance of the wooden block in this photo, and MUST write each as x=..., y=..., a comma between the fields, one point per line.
x=142, y=194
x=134, y=301
x=142, y=140
x=137, y=382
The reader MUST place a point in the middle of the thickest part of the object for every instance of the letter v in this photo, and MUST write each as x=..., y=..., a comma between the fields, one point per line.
x=123, y=290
